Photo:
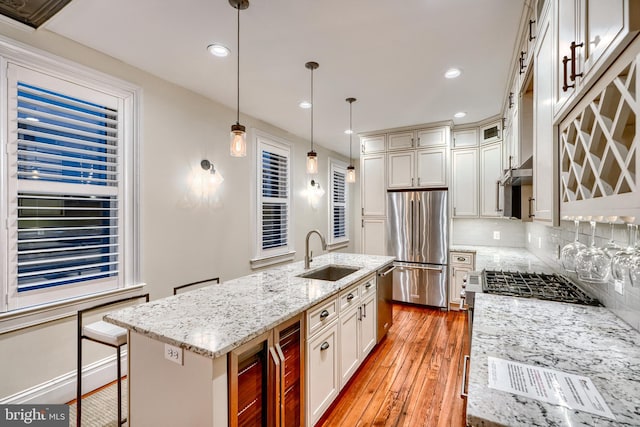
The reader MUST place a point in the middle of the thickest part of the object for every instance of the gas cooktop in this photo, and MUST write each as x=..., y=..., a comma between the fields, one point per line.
x=552, y=287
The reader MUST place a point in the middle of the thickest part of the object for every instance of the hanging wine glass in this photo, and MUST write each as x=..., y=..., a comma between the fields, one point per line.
x=570, y=250
x=621, y=261
x=592, y=263
x=611, y=247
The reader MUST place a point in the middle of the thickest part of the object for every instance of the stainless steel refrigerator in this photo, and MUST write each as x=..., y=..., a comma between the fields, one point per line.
x=418, y=237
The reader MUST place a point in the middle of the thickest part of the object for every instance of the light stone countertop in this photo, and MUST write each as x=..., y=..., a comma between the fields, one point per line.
x=504, y=258
x=582, y=340
x=214, y=320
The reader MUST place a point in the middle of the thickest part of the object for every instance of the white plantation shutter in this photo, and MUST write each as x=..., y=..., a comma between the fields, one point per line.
x=65, y=203
x=338, y=212
x=274, y=210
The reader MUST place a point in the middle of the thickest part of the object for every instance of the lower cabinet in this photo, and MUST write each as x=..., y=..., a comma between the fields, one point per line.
x=322, y=372
x=265, y=381
x=461, y=263
x=336, y=351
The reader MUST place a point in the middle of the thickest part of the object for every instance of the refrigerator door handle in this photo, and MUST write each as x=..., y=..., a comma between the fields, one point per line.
x=418, y=235
x=412, y=235
x=419, y=267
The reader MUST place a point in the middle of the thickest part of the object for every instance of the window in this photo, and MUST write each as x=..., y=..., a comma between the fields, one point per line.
x=69, y=186
x=338, y=203
x=274, y=211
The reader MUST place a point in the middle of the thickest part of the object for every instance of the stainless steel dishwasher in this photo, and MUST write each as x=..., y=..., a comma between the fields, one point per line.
x=385, y=295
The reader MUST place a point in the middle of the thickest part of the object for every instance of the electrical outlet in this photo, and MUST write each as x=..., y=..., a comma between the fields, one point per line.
x=496, y=235
x=529, y=237
x=619, y=287
x=539, y=242
x=173, y=353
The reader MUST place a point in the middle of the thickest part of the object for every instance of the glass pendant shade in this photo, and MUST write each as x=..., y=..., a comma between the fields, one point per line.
x=238, y=141
x=312, y=163
x=351, y=174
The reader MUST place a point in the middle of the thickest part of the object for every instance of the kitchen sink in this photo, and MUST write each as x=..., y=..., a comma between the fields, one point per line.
x=329, y=272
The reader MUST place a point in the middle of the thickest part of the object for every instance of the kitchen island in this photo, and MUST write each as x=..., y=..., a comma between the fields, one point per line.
x=581, y=340
x=205, y=325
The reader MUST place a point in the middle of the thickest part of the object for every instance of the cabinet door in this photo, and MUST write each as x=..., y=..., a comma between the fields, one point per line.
x=544, y=155
x=490, y=171
x=465, y=138
x=373, y=144
x=401, y=169
x=373, y=185
x=465, y=182
x=457, y=279
x=433, y=137
x=374, y=236
x=289, y=341
x=605, y=26
x=368, y=325
x=507, y=143
x=514, y=149
x=401, y=140
x=432, y=167
x=322, y=372
x=350, y=345
x=565, y=23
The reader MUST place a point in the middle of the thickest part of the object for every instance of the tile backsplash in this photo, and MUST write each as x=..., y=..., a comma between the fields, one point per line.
x=546, y=242
x=480, y=232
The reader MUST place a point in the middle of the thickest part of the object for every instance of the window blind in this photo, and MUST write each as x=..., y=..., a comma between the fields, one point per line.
x=68, y=189
x=339, y=204
x=275, y=199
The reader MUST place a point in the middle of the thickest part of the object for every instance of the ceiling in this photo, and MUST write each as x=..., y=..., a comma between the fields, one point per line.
x=391, y=55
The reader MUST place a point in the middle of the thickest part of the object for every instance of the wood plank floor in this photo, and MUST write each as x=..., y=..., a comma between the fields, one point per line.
x=412, y=378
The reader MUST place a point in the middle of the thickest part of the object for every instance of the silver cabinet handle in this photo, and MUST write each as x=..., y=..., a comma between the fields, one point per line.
x=412, y=142
x=364, y=309
x=462, y=259
x=412, y=182
x=350, y=297
x=324, y=346
x=282, y=381
x=360, y=313
x=324, y=314
x=531, y=200
x=418, y=181
x=278, y=384
x=498, y=196
x=463, y=392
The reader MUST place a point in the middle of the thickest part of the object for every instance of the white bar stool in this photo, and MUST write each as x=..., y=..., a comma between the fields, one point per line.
x=107, y=334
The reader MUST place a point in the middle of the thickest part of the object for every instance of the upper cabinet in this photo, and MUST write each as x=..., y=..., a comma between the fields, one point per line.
x=373, y=144
x=465, y=138
x=589, y=35
x=491, y=132
x=373, y=184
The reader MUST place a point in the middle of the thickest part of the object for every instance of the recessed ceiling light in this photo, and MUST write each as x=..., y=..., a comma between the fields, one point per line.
x=459, y=115
x=305, y=104
x=452, y=73
x=218, y=50
x=348, y=131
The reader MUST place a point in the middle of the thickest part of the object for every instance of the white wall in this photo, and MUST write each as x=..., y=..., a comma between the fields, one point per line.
x=180, y=244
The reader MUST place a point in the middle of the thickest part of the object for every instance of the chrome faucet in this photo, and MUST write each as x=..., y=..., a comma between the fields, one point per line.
x=308, y=258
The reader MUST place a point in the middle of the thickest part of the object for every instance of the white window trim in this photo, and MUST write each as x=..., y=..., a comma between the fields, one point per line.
x=42, y=61
x=270, y=257
x=333, y=243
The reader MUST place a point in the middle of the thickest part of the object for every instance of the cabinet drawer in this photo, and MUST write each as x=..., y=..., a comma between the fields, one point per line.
x=349, y=298
x=321, y=315
x=462, y=258
x=367, y=288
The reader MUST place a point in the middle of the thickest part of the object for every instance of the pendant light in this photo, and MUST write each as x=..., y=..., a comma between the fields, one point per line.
x=351, y=170
x=312, y=156
x=238, y=146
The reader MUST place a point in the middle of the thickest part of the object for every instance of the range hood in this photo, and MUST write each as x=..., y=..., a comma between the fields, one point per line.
x=519, y=176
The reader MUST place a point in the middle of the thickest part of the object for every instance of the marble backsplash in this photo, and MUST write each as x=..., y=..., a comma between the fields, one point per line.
x=546, y=242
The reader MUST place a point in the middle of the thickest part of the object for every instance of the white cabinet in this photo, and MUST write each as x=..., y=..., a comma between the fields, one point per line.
x=368, y=324
x=374, y=236
x=401, y=169
x=490, y=171
x=435, y=137
x=589, y=36
x=544, y=138
x=461, y=264
x=373, y=184
x=465, y=138
x=373, y=144
x=349, y=344
x=322, y=372
x=465, y=182
x=401, y=140
x=431, y=167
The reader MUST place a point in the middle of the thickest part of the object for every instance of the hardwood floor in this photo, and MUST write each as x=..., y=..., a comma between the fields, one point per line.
x=412, y=378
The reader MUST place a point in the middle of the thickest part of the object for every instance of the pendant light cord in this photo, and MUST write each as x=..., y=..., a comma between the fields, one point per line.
x=238, y=70
x=311, y=109
x=350, y=131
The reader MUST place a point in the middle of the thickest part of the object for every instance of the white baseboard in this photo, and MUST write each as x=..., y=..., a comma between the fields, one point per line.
x=63, y=388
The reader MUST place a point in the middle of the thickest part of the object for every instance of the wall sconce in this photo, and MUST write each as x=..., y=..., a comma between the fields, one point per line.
x=215, y=179
x=314, y=193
